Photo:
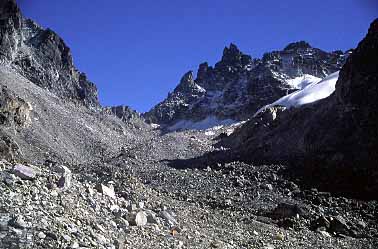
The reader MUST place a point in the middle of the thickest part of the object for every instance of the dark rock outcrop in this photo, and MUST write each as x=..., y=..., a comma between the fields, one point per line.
x=332, y=143
x=122, y=112
x=42, y=57
x=238, y=85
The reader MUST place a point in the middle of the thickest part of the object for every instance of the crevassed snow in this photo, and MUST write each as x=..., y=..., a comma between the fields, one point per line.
x=303, y=81
x=311, y=93
x=203, y=124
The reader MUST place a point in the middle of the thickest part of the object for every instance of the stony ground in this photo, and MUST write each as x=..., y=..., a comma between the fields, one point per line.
x=154, y=195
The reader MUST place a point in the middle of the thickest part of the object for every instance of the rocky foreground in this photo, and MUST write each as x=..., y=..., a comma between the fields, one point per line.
x=147, y=202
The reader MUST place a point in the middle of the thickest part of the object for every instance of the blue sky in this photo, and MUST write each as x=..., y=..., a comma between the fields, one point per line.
x=137, y=51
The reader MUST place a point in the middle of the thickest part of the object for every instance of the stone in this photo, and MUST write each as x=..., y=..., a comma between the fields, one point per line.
x=286, y=210
x=268, y=246
x=141, y=204
x=151, y=218
x=65, y=179
x=18, y=222
x=268, y=187
x=108, y=191
x=138, y=219
x=168, y=218
x=41, y=235
x=25, y=172
x=325, y=234
x=8, y=179
x=361, y=224
x=132, y=207
x=321, y=222
x=339, y=225
x=75, y=245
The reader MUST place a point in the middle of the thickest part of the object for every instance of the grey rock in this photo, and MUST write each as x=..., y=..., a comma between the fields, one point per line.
x=18, y=222
x=339, y=225
x=65, y=178
x=286, y=210
x=268, y=186
x=168, y=218
x=25, y=172
x=41, y=235
x=105, y=190
x=138, y=219
x=9, y=179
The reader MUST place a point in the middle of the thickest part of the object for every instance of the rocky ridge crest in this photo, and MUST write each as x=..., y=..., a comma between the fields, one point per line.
x=42, y=56
x=238, y=85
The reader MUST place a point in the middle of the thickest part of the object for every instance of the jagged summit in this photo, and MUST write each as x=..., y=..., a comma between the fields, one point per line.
x=297, y=45
x=231, y=54
x=42, y=56
x=237, y=86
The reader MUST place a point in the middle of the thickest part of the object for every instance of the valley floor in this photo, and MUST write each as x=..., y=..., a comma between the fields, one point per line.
x=179, y=202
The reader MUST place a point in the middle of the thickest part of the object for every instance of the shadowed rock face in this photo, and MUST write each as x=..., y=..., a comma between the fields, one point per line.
x=334, y=142
x=42, y=57
x=238, y=85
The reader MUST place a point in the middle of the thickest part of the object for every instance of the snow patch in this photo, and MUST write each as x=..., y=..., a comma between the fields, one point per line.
x=210, y=133
x=302, y=81
x=311, y=93
x=155, y=126
x=208, y=122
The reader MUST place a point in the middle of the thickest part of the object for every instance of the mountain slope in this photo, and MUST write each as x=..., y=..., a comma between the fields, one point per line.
x=238, y=85
x=59, y=130
x=42, y=56
x=332, y=141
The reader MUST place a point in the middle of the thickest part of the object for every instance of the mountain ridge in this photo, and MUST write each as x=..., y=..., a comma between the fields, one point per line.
x=236, y=86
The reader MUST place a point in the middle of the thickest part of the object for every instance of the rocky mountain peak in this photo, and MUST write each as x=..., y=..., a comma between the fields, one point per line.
x=233, y=57
x=187, y=84
x=42, y=56
x=203, y=71
x=237, y=86
x=187, y=78
x=297, y=45
x=231, y=53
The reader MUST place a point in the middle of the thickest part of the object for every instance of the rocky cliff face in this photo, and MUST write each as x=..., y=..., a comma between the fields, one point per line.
x=41, y=56
x=238, y=85
x=334, y=141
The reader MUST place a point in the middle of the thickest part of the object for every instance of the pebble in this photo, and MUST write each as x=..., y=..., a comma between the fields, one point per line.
x=41, y=235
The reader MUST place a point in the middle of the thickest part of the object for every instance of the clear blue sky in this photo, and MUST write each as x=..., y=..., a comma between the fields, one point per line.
x=136, y=51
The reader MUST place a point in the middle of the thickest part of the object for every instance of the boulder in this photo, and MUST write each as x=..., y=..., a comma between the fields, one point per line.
x=138, y=219
x=109, y=191
x=25, y=172
x=65, y=178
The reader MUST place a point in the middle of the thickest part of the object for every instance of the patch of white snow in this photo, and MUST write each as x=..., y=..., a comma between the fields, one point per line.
x=311, y=93
x=303, y=81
